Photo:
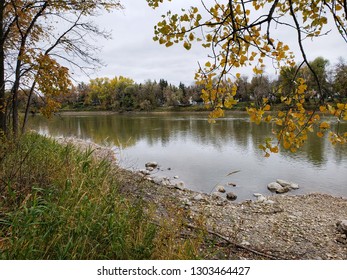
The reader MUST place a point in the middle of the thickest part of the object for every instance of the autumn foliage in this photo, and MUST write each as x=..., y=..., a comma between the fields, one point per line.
x=241, y=34
x=40, y=43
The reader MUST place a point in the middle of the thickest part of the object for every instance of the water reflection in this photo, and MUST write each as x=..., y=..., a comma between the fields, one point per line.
x=202, y=154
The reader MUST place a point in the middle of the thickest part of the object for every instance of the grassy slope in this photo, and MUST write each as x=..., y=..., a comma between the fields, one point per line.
x=59, y=203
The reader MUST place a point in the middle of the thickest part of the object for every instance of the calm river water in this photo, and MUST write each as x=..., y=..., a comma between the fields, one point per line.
x=202, y=154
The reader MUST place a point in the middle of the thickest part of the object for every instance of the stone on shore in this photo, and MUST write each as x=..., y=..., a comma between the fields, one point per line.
x=198, y=197
x=283, y=190
x=151, y=164
x=164, y=181
x=342, y=226
x=179, y=185
x=144, y=172
x=286, y=184
x=221, y=189
x=274, y=187
x=260, y=197
x=231, y=196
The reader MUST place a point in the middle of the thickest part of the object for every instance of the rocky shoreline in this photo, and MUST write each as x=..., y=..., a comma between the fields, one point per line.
x=311, y=227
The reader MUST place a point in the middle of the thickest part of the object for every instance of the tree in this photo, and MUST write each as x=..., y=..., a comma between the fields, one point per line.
x=241, y=33
x=340, y=79
x=35, y=55
x=260, y=88
x=243, y=89
x=319, y=66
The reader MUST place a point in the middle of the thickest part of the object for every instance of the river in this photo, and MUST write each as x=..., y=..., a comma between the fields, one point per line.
x=203, y=154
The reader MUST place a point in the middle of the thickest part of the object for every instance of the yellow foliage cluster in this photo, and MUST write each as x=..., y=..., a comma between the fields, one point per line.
x=292, y=125
x=53, y=80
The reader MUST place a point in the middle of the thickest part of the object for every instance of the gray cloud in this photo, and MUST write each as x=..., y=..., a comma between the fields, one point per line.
x=133, y=53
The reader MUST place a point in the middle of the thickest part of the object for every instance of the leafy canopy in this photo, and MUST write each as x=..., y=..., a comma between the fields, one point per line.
x=240, y=34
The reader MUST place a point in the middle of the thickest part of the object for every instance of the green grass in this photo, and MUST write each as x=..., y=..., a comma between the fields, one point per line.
x=59, y=203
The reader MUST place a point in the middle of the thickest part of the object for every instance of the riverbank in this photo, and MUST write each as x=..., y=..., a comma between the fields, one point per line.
x=280, y=227
x=58, y=202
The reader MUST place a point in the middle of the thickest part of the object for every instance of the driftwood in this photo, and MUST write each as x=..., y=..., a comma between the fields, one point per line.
x=237, y=245
x=272, y=257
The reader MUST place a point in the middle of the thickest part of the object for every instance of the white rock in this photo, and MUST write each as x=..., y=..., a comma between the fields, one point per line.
x=220, y=189
x=261, y=198
x=149, y=168
x=198, y=197
x=283, y=190
x=186, y=202
x=257, y=194
x=342, y=226
x=274, y=187
x=179, y=185
x=175, y=177
x=144, y=172
x=166, y=182
x=290, y=185
x=158, y=180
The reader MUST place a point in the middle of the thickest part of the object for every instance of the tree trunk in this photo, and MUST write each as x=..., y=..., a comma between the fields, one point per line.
x=14, y=92
x=15, y=116
x=28, y=106
x=2, y=72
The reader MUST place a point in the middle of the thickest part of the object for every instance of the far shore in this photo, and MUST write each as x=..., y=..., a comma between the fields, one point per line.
x=158, y=112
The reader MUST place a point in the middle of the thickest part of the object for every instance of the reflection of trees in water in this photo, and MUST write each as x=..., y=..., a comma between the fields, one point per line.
x=127, y=130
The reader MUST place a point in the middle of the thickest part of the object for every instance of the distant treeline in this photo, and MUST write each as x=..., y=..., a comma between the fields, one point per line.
x=123, y=94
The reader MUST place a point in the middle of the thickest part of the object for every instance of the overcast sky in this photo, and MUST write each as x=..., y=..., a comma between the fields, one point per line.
x=132, y=52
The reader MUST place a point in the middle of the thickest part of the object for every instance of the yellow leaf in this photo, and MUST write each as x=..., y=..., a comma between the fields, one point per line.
x=262, y=147
x=324, y=125
x=323, y=109
x=257, y=71
x=187, y=45
x=293, y=150
x=341, y=106
x=281, y=114
x=268, y=118
x=320, y=134
x=286, y=145
x=302, y=88
x=279, y=122
x=274, y=149
x=267, y=107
